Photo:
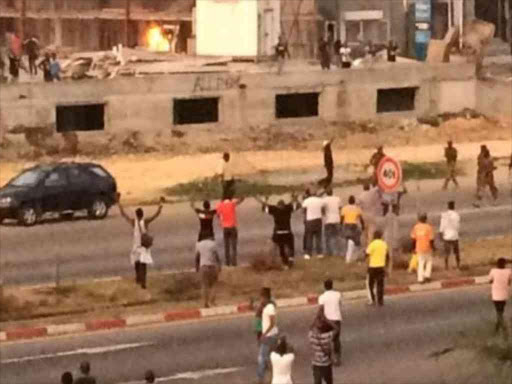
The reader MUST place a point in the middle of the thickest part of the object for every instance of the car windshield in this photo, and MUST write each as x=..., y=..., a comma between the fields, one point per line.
x=28, y=178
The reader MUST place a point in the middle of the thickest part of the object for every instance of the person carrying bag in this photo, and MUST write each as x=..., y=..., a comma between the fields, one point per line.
x=140, y=255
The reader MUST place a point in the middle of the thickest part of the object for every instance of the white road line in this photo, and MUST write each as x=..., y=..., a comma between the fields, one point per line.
x=82, y=351
x=192, y=375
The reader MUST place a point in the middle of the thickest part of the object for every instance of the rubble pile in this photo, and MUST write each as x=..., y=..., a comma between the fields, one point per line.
x=131, y=62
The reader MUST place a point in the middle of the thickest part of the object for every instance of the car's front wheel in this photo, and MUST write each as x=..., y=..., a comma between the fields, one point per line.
x=27, y=215
x=98, y=209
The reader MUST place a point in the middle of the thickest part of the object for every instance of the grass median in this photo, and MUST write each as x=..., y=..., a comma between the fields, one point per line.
x=209, y=188
x=182, y=290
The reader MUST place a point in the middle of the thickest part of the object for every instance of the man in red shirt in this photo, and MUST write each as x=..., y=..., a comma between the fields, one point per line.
x=226, y=210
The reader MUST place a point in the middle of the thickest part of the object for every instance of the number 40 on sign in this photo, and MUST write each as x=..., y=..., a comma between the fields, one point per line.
x=389, y=174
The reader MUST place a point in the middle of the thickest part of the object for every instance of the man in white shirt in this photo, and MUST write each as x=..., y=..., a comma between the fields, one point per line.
x=331, y=222
x=345, y=51
x=330, y=304
x=270, y=332
x=226, y=175
x=449, y=231
x=313, y=207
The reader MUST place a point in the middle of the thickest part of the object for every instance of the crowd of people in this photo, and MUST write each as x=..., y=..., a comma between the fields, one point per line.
x=369, y=224
x=327, y=223
x=17, y=49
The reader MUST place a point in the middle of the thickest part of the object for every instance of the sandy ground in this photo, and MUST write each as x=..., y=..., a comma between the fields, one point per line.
x=143, y=177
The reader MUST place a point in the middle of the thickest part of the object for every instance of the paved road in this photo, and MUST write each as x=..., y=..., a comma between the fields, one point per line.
x=387, y=345
x=100, y=249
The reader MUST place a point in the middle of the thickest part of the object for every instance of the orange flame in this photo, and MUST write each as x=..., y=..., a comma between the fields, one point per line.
x=157, y=41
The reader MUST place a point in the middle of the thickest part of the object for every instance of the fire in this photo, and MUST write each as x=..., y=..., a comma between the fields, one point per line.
x=157, y=41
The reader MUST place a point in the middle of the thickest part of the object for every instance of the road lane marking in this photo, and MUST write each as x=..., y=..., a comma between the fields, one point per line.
x=195, y=375
x=81, y=351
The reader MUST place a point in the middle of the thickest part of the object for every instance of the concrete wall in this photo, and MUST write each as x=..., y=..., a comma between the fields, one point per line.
x=146, y=104
x=494, y=99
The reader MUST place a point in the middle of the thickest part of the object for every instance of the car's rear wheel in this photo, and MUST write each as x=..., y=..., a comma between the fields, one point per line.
x=98, y=208
x=28, y=215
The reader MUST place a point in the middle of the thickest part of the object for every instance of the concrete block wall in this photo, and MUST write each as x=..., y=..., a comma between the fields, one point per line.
x=146, y=103
x=494, y=98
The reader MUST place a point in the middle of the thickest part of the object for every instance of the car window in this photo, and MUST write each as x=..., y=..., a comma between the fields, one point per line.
x=99, y=171
x=55, y=179
x=28, y=178
x=77, y=176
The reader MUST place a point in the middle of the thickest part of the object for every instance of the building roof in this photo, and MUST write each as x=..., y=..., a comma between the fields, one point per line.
x=177, y=11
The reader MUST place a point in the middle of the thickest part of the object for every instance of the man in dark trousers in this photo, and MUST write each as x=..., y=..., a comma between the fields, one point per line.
x=283, y=235
x=15, y=49
x=325, y=57
x=328, y=164
x=375, y=161
x=32, y=50
x=226, y=175
x=205, y=216
x=392, y=50
x=226, y=210
x=378, y=257
x=485, y=175
x=450, y=154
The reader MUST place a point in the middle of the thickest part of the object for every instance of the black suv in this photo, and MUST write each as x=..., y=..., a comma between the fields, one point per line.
x=61, y=188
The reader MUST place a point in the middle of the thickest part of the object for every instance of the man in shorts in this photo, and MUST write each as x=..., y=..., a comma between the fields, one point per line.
x=209, y=265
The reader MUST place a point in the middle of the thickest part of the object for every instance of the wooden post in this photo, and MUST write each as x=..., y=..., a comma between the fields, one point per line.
x=127, y=23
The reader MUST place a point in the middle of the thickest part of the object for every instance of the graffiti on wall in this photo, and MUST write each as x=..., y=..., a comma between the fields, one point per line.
x=223, y=82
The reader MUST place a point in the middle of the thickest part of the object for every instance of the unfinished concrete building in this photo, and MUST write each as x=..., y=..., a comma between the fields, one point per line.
x=108, y=22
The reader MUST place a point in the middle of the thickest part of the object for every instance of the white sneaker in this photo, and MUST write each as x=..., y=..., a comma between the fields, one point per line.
x=320, y=256
x=307, y=257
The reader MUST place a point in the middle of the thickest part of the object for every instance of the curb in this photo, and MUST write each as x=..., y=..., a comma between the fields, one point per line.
x=17, y=334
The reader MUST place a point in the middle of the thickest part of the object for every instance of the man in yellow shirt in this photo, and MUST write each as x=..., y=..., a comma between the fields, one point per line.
x=351, y=215
x=378, y=255
x=423, y=237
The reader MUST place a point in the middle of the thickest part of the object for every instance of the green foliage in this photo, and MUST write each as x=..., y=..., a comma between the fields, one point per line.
x=422, y=171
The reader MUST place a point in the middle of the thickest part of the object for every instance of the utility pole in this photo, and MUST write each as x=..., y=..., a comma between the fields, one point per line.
x=126, y=22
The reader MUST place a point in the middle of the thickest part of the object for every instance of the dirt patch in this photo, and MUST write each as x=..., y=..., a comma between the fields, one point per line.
x=465, y=126
x=145, y=177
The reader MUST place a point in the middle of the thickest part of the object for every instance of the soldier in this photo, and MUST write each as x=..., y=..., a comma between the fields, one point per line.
x=328, y=164
x=374, y=162
x=486, y=177
x=479, y=172
x=450, y=154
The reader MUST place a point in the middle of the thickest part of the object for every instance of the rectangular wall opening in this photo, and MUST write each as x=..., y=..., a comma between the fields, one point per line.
x=297, y=105
x=396, y=99
x=196, y=111
x=84, y=117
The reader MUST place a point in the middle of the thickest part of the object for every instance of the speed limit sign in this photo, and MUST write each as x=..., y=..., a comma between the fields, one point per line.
x=389, y=174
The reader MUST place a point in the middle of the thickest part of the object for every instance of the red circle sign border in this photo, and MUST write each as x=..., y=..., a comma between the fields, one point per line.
x=397, y=166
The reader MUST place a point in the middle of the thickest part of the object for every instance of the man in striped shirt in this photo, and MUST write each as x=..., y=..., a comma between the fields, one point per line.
x=321, y=337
